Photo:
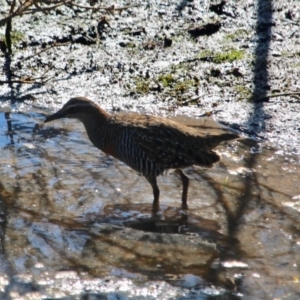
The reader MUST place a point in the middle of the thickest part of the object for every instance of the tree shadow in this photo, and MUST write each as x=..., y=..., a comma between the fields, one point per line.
x=256, y=122
x=261, y=88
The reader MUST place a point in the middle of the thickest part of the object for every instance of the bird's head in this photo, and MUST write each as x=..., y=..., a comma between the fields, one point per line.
x=76, y=108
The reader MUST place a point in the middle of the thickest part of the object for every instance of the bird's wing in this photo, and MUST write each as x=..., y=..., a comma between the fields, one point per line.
x=165, y=145
x=170, y=147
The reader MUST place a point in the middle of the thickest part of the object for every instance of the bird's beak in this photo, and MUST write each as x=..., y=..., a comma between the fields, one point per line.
x=55, y=116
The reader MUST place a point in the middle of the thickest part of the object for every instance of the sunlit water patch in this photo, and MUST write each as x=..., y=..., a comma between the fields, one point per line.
x=67, y=207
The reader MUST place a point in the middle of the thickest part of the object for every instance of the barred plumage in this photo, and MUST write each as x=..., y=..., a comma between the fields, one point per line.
x=148, y=144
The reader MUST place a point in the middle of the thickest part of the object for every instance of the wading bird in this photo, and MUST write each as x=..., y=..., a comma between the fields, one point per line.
x=148, y=144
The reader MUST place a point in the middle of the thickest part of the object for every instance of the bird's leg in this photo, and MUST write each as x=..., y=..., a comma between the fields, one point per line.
x=185, y=187
x=152, y=181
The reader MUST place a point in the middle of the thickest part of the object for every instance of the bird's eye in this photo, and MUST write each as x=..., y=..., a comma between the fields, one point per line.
x=73, y=110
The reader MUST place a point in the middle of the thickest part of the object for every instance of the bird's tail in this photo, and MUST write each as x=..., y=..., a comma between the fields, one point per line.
x=214, y=140
x=206, y=158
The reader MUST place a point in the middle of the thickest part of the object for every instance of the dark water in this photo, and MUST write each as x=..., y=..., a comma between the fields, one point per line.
x=74, y=221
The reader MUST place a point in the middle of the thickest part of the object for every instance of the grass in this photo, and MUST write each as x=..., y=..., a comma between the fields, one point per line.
x=16, y=36
x=206, y=54
x=239, y=33
x=221, y=57
x=229, y=56
x=142, y=86
x=243, y=92
x=167, y=80
x=183, y=86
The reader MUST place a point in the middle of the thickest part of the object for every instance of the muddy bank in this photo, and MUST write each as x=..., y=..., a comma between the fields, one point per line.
x=165, y=57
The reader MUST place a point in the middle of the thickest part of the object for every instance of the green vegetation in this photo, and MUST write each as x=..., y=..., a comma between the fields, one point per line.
x=11, y=38
x=206, y=54
x=142, y=86
x=236, y=35
x=183, y=86
x=286, y=53
x=221, y=57
x=16, y=36
x=167, y=80
x=226, y=182
x=130, y=45
x=243, y=92
x=229, y=56
x=179, y=67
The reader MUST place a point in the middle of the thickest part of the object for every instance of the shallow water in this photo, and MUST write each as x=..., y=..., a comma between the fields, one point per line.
x=72, y=215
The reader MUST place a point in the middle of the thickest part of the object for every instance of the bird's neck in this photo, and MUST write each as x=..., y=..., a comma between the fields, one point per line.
x=95, y=124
